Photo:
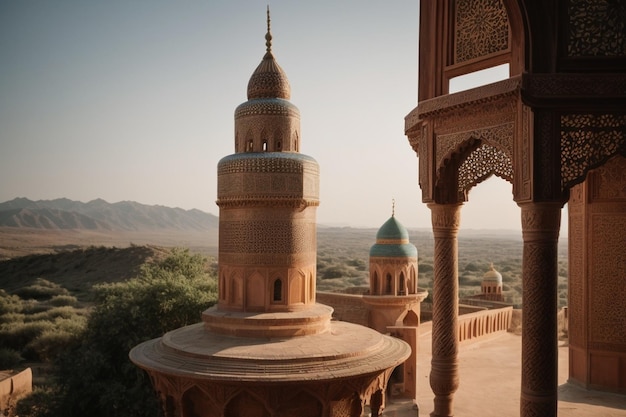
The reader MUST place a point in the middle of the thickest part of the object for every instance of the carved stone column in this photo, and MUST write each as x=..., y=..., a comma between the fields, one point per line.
x=444, y=376
x=540, y=230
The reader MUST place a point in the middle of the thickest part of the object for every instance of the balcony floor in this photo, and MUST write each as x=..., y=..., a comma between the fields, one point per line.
x=490, y=374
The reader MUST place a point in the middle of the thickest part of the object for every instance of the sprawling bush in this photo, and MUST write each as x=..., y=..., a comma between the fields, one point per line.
x=96, y=378
x=9, y=358
x=42, y=402
x=63, y=300
x=9, y=303
x=41, y=289
x=16, y=335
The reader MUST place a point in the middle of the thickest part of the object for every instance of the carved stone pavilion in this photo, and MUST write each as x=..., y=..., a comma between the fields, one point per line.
x=556, y=130
x=267, y=348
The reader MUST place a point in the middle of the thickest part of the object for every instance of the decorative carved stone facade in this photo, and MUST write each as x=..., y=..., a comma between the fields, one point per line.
x=559, y=116
x=267, y=348
x=597, y=220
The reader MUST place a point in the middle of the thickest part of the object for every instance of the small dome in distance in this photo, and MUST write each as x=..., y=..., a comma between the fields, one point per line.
x=492, y=275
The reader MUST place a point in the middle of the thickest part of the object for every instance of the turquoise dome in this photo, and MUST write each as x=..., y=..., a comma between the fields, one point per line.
x=392, y=229
x=392, y=241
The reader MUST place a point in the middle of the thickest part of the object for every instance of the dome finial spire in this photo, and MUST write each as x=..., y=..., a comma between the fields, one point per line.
x=268, y=35
x=393, y=207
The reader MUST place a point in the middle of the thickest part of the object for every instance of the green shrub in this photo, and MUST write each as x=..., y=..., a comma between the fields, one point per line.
x=51, y=343
x=52, y=313
x=9, y=358
x=18, y=335
x=336, y=272
x=41, y=289
x=12, y=318
x=63, y=300
x=40, y=403
x=9, y=303
x=96, y=376
x=34, y=306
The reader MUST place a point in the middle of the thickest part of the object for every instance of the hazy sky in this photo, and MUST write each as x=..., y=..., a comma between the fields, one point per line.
x=134, y=100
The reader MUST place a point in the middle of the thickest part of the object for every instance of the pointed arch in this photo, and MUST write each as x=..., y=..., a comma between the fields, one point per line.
x=411, y=319
x=388, y=284
x=246, y=404
x=277, y=290
x=194, y=401
x=472, y=158
x=255, y=290
x=302, y=404
x=277, y=140
x=374, y=285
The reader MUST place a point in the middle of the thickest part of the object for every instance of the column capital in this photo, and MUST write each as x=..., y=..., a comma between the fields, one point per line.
x=445, y=217
x=541, y=220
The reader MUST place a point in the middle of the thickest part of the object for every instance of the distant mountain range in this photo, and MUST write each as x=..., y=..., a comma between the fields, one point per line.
x=63, y=213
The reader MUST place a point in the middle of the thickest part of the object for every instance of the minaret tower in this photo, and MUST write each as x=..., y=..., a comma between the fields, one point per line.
x=267, y=348
x=268, y=194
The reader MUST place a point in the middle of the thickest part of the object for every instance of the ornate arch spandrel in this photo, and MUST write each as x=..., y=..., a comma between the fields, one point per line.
x=474, y=160
x=587, y=142
x=482, y=163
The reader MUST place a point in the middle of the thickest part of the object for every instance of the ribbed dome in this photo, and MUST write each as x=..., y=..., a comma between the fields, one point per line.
x=492, y=276
x=392, y=229
x=269, y=80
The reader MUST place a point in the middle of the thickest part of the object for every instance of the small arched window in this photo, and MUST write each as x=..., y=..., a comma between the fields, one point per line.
x=250, y=145
x=401, y=290
x=388, y=284
x=278, y=290
x=265, y=145
x=375, y=288
x=279, y=146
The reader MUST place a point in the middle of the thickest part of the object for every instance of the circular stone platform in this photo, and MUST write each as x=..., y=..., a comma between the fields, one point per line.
x=345, y=350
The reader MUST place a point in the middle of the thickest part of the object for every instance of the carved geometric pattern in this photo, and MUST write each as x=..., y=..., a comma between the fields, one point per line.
x=608, y=321
x=539, y=293
x=576, y=277
x=597, y=28
x=263, y=163
x=587, y=140
x=611, y=181
x=266, y=237
x=444, y=379
x=481, y=163
x=424, y=164
x=540, y=227
x=501, y=135
x=267, y=106
x=269, y=80
x=481, y=29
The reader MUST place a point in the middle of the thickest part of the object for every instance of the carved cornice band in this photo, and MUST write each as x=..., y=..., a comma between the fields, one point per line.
x=569, y=90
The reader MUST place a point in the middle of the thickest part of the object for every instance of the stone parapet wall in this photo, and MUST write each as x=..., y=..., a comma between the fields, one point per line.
x=347, y=307
x=13, y=387
x=483, y=323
